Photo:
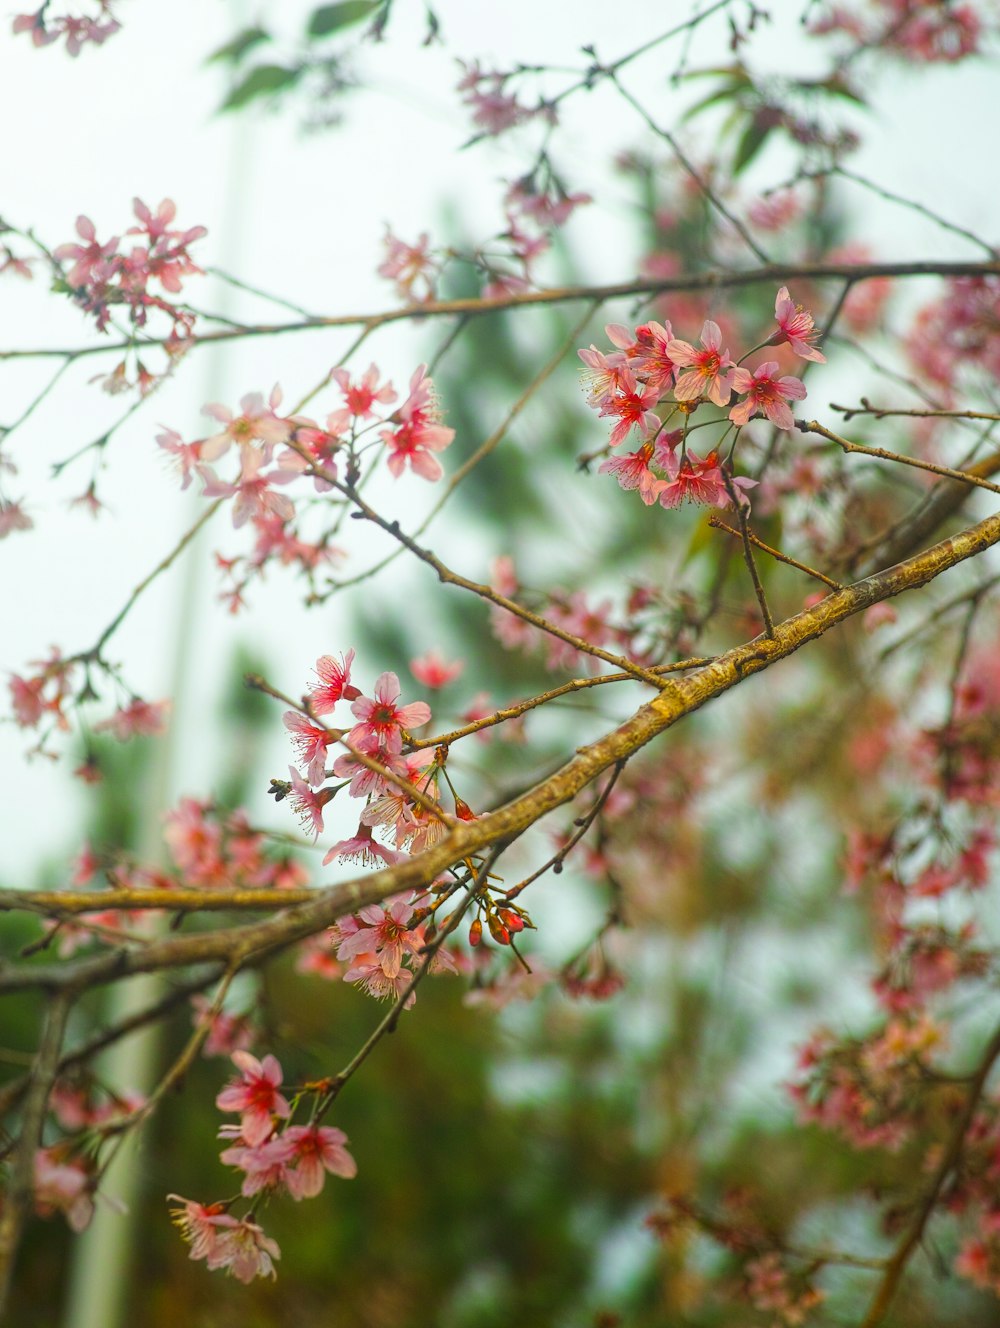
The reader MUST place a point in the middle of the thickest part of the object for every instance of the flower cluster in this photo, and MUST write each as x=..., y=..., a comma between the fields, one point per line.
x=275, y=1156
x=407, y=810
x=651, y=369
x=920, y=30
x=957, y=338
x=872, y=1091
x=104, y=276
x=46, y=29
x=493, y=106
x=275, y=451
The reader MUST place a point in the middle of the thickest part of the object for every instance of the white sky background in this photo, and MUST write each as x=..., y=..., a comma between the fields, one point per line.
x=303, y=216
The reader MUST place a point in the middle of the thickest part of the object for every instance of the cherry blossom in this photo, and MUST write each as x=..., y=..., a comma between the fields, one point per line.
x=257, y=423
x=382, y=722
x=13, y=517
x=334, y=685
x=316, y=1150
x=708, y=369
x=633, y=472
x=432, y=670
x=63, y=1186
x=360, y=395
x=766, y=394
x=698, y=480
x=243, y=1250
x=255, y=1096
x=419, y=433
x=409, y=266
x=795, y=325
x=138, y=719
x=363, y=849
x=381, y=930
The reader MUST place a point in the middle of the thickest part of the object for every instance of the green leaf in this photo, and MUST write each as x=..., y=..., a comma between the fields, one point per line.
x=331, y=18
x=754, y=137
x=725, y=93
x=262, y=81
x=837, y=86
x=234, y=51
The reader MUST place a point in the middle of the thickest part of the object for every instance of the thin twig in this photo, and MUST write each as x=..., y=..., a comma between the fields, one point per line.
x=716, y=280
x=719, y=524
x=967, y=477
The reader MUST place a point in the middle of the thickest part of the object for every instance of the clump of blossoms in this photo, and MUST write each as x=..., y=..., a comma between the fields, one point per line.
x=922, y=30
x=108, y=276
x=45, y=29
x=274, y=452
x=383, y=945
x=276, y=1156
x=653, y=379
x=494, y=107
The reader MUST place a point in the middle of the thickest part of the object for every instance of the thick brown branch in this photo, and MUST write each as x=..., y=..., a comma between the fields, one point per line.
x=680, y=698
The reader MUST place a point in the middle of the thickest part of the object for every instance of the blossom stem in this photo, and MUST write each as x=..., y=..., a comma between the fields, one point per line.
x=719, y=524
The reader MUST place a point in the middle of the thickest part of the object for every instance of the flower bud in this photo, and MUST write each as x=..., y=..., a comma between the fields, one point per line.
x=510, y=919
x=497, y=930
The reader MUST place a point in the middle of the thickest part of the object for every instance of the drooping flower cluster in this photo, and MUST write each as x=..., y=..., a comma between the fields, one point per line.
x=275, y=1156
x=653, y=371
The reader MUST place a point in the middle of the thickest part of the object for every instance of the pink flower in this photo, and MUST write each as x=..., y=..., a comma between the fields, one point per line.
x=91, y=259
x=253, y=493
x=312, y=742
x=407, y=264
x=13, y=517
x=335, y=683
x=633, y=472
x=603, y=374
x=383, y=931
x=139, y=719
x=369, y=974
x=226, y=1032
x=493, y=110
x=363, y=849
x=433, y=671
x=359, y=397
x=708, y=372
x=316, y=1149
x=419, y=432
x=201, y=1225
x=382, y=722
x=701, y=481
x=243, y=1250
x=308, y=805
x=255, y=1096
x=184, y=456
x=776, y=211
x=650, y=358
x=633, y=408
x=265, y=1164
x=194, y=841
x=767, y=395
x=795, y=326
x=63, y=1187
x=257, y=424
